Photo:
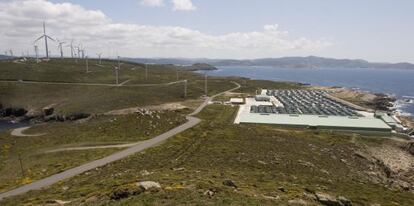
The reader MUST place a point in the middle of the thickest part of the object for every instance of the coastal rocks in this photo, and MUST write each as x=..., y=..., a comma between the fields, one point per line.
x=382, y=102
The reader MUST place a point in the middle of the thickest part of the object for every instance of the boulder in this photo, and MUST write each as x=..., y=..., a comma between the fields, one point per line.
x=328, y=200
x=149, y=185
x=209, y=193
x=48, y=111
x=229, y=183
x=125, y=191
x=344, y=201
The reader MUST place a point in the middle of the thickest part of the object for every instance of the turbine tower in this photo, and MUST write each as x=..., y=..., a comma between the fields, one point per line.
x=71, y=48
x=99, y=56
x=46, y=37
x=205, y=84
x=60, y=46
x=36, y=48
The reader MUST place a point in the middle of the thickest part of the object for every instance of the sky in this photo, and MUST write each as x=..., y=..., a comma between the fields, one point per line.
x=375, y=30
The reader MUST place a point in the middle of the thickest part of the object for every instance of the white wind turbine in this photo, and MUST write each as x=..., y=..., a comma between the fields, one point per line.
x=99, y=56
x=60, y=46
x=45, y=36
x=36, y=48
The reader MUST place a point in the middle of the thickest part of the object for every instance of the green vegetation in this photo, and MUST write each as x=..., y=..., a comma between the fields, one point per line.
x=101, y=130
x=97, y=99
x=268, y=164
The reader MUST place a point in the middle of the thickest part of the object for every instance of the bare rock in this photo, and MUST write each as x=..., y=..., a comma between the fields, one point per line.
x=297, y=202
x=47, y=110
x=149, y=185
x=125, y=191
x=344, y=201
x=209, y=193
x=410, y=147
x=328, y=200
x=57, y=202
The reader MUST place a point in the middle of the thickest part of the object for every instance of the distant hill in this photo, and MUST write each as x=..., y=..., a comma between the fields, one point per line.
x=283, y=62
x=3, y=57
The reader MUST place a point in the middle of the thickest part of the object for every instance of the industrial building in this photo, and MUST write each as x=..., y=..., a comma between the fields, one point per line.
x=308, y=109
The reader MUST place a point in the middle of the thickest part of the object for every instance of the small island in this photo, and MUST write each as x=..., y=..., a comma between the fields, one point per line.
x=201, y=67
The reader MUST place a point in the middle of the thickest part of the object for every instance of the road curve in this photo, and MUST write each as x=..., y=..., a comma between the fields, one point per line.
x=19, y=132
x=192, y=121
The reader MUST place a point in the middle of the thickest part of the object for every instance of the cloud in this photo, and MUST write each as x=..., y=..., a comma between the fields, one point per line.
x=21, y=23
x=183, y=5
x=153, y=3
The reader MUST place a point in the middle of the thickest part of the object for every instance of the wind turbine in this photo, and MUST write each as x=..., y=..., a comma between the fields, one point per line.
x=99, y=56
x=46, y=37
x=205, y=84
x=71, y=48
x=60, y=46
x=117, y=68
x=79, y=50
x=36, y=48
x=146, y=71
x=87, y=65
x=185, y=88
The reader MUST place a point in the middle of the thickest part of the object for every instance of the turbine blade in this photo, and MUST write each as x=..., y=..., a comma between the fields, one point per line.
x=39, y=38
x=50, y=38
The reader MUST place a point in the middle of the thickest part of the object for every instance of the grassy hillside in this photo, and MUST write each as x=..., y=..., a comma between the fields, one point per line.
x=101, y=130
x=269, y=165
x=94, y=99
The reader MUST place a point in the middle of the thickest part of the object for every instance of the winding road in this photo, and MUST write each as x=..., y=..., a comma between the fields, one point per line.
x=192, y=121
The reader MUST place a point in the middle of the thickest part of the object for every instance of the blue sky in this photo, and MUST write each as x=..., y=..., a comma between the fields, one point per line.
x=376, y=30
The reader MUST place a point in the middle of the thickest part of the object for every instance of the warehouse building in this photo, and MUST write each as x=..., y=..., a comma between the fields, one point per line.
x=308, y=109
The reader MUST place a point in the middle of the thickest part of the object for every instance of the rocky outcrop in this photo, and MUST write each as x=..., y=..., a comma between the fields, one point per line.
x=12, y=112
x=149, y=185
x=409, y=147
x=330, y=200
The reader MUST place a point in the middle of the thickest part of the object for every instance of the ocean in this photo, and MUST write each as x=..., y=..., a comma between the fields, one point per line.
x=396, y=82
x=6, y=125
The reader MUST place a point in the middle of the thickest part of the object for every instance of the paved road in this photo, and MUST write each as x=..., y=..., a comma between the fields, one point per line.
x=93, y=147
x=192, y=121
x=123, y=84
